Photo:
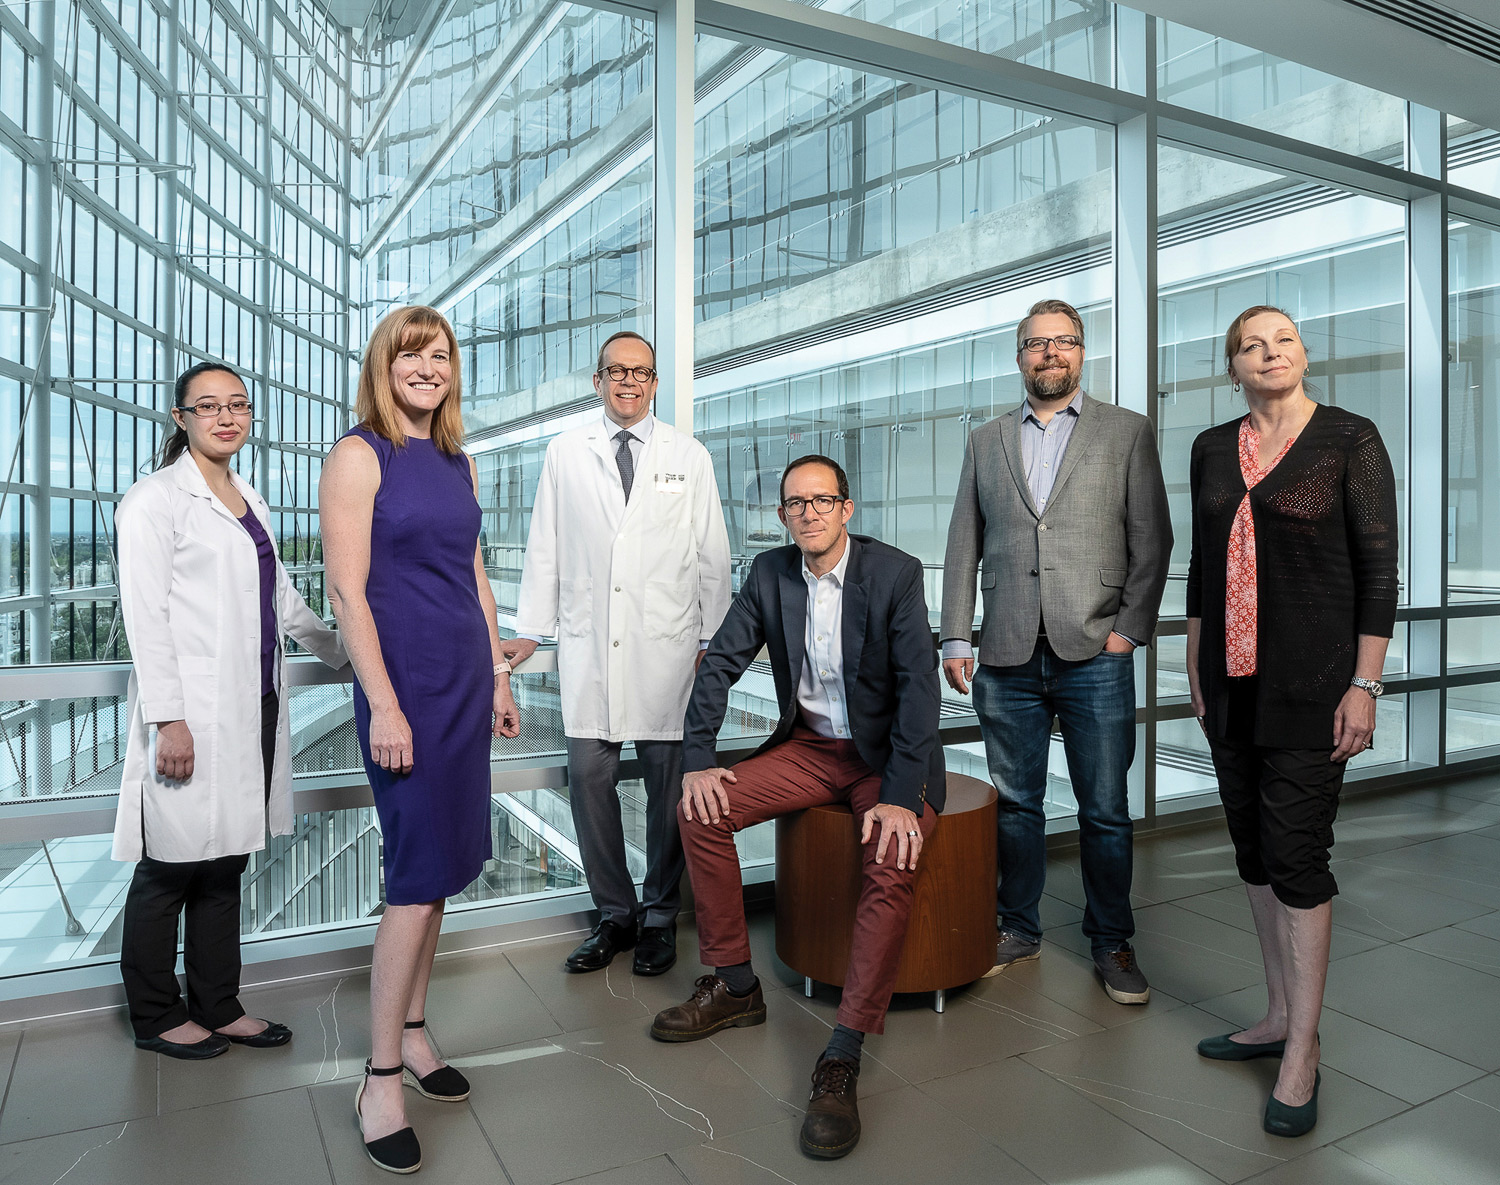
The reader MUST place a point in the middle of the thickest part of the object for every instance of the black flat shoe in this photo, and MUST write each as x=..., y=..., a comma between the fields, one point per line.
x=189, y=1051
x=268, y=1038
x=1222, y=1049
x=398, y=1152
x=655, y=950
x=596, y=951
x=445, y=1084
x=1284, y=1120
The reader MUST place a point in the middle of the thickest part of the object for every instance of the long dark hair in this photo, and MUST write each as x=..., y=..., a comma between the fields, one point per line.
x=176, y=443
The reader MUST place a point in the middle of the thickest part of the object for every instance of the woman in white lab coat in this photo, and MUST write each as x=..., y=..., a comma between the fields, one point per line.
x=207, y=758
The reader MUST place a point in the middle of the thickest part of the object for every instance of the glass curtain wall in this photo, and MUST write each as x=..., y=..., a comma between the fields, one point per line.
x=179, y=185
x=251, y=182
x=864, y=251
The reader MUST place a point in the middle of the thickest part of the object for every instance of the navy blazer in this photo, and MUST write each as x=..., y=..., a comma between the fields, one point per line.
x=890, y=666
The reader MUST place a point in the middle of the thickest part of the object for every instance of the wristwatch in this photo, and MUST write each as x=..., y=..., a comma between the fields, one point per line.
x=1373, y=687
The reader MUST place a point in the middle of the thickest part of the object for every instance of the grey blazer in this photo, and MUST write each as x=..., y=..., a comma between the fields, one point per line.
x=1096, y=561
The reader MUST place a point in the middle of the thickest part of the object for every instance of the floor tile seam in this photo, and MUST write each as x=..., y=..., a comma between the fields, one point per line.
x=10, y=1074
x=1409, y=1040
x=322, y=1139
x=681, y=1172
x=488, y=1140
x=964, y=1123
x=557, y=1020
x=74, y=1130
x=1264, y=1174
x=1083, y=1098
x=1493, y=971
x=1449, y=896
x=245, y=1098
x=1085, y=1095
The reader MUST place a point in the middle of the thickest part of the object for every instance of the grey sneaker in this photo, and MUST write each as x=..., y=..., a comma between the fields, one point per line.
x=1012, y=948
x=1123, y=981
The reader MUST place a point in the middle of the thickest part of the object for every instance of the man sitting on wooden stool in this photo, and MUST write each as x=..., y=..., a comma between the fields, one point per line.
x=845, y=621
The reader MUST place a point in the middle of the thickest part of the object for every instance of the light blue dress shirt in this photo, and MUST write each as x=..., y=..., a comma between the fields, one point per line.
x=820, y=691
x=1044, y=445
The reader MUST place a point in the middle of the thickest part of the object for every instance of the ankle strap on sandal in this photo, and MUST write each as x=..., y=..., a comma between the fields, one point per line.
x=415, y=1024
x=381, y=1071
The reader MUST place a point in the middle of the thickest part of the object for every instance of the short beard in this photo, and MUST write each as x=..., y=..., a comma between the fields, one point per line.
x=1050, y=387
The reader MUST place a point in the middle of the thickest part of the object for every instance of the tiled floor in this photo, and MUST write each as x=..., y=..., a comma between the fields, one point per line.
x=1032, y=1076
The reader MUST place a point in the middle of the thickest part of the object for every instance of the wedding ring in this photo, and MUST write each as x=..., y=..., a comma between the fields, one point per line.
x=911, y=835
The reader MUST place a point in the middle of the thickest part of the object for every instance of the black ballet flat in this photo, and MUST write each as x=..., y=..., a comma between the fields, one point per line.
x=445, y=1084
x=1281, y=1119
x=398, y=1152
x=188, y=1051
x=268, y=1038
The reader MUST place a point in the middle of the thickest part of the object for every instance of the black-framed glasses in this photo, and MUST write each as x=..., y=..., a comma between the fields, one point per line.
x=207, y=409
x=617, y=373
x=822, y=503
x=1067, y=343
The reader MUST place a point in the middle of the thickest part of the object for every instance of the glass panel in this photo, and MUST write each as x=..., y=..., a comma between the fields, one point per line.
x=866, y=249
x=1071, y=36
x=1473, y=642
x=1232, y=236
x=1473, y=719
x=1218, y=77
x=1473, y=156
x=1473, y=413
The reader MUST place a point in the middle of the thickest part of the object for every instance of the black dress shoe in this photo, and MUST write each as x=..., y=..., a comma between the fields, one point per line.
x=268, y=1038
x=189, y=1051
x=655, y=950
x=595, y=952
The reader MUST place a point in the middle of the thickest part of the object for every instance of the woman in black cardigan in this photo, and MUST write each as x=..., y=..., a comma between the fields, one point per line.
x=1291, y=603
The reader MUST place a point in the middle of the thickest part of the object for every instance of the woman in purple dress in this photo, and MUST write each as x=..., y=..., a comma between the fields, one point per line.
x=408, y=586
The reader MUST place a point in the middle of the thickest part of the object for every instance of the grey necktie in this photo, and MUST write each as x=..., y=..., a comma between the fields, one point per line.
x=625, y=461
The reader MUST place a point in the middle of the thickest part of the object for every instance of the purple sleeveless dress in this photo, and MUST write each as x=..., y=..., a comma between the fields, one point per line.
x=436, y=646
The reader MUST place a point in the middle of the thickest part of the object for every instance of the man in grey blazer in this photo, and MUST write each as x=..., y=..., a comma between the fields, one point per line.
x=1063, y=501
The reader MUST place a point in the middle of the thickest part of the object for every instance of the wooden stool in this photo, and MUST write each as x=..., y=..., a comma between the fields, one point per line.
x=950, y=939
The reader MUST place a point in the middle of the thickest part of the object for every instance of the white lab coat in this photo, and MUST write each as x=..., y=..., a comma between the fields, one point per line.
x=629, y=590
x=190, y=594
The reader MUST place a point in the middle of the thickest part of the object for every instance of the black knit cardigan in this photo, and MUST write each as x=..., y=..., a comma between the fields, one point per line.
x=1325, y=558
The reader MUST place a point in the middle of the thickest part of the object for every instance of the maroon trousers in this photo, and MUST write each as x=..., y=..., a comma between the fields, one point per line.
x=806, y=770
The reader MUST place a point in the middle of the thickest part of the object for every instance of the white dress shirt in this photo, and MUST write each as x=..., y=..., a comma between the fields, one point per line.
x=820, y=691
x=640, y=433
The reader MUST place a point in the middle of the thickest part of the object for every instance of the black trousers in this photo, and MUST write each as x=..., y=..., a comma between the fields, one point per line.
x=205, y=894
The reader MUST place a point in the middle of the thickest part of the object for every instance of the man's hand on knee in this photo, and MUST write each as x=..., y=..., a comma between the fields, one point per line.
x=898, y=823
x=704, y=796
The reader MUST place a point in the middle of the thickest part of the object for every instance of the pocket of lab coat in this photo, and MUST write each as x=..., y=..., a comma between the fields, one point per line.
x=575, y=608
x=671, y=609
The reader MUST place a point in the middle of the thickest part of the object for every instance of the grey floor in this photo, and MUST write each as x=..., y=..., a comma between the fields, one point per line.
x=1032, y=1076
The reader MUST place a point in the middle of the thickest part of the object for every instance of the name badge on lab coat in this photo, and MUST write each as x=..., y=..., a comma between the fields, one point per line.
x=671, y=483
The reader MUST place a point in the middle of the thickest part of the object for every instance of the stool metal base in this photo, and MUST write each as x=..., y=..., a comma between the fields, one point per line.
x=939, y=997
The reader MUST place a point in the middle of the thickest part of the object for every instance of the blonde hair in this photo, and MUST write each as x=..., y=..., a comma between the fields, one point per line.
x=408, y=328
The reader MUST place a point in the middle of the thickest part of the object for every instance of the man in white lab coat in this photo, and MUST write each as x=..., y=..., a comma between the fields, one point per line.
x=628, y=564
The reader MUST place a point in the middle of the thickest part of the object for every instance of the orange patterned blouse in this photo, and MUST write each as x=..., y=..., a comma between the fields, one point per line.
x=1240, y=608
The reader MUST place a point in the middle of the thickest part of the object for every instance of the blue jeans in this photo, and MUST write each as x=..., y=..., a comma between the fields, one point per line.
x=1095, y=703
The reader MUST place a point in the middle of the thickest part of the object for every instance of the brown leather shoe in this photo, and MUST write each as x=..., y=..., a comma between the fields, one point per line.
x=831, y=1128
x=710, y=1009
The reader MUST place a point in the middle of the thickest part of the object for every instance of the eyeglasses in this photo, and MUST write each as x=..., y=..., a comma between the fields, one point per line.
x=616, y=374
x=209, y=410
x=822, y=503
x=1038, y=345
